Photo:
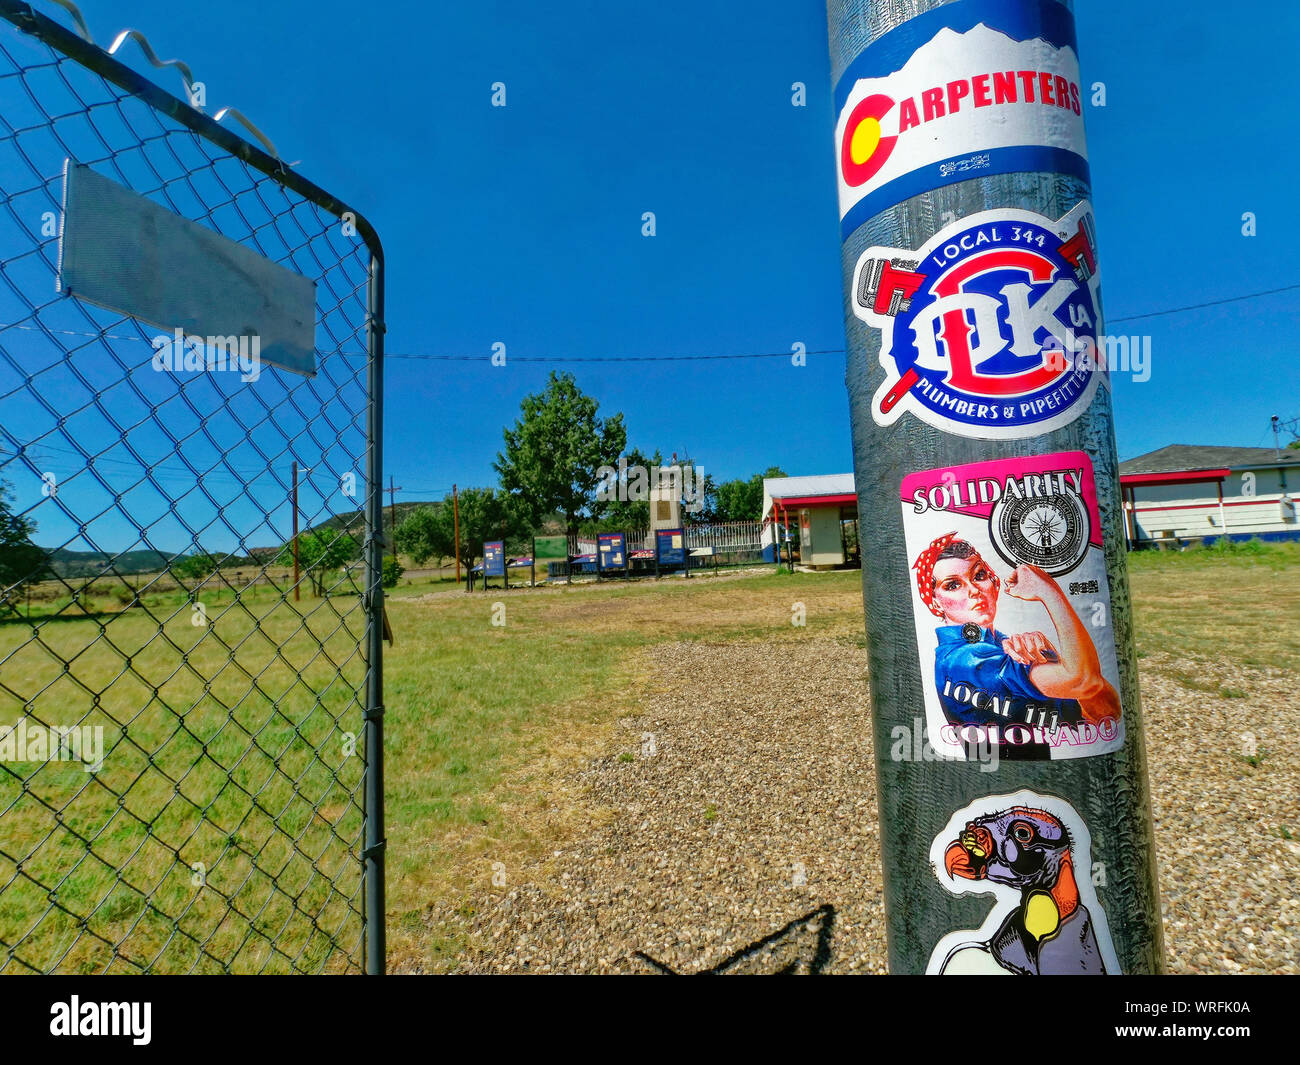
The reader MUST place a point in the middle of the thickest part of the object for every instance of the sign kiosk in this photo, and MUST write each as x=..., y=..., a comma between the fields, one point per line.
x=494, y=563
x=611, y=554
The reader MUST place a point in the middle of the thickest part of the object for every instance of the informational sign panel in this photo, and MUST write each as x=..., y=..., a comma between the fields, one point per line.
x=494, y=559
x=670, y=546
x=611, y=553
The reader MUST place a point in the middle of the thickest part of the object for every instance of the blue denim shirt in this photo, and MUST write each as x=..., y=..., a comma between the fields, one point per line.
x=984, y=666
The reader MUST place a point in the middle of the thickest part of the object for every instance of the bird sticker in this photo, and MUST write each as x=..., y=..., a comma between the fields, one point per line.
x=1031, y=852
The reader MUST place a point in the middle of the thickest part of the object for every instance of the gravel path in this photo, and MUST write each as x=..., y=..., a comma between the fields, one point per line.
x=734, y=807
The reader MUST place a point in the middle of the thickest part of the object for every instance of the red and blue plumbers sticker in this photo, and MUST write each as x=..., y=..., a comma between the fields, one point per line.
x=989, y=330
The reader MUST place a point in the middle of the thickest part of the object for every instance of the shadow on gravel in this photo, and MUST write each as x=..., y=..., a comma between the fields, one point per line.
x=801, y=948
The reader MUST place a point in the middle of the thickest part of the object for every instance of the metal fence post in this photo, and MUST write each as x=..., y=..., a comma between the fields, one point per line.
x=374, y=729
x=1010, y=812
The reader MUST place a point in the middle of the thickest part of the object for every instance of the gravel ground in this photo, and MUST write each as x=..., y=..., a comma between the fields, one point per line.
x=1238, y=913
x=725, y=815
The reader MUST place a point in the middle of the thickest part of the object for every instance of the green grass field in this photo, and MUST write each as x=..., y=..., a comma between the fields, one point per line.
x=1239, y=604
x=240, y=762
x=225, y=763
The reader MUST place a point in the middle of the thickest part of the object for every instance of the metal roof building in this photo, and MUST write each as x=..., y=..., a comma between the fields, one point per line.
x=823, y=507
x=1191, y=492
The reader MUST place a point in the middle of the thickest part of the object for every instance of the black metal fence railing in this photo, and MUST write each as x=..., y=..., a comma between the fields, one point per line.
x=190, y=603
x=705, y=546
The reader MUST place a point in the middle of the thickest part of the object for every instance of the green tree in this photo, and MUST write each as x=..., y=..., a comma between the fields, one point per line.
x=554, y=452
x=743, y=500
x=392, y=572
x=698, y=491
x=632, y=477
x=614, y=513
x=196, y=566
x=734, y=501
x=485, y=514
x=708, y=508
x=424, y=534
x=321, y=551
x=20, y=559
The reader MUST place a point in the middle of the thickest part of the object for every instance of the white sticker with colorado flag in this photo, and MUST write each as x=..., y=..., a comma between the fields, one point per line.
x=967, y=90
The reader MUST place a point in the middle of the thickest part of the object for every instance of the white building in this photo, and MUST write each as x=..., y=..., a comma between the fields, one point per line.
x=1188, y=492
x=1178, y=493
x=820, y=512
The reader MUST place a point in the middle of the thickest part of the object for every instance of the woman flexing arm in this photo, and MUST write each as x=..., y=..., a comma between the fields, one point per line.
x=1076, y=674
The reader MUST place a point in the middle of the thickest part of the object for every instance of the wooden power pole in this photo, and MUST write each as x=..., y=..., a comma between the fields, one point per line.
x=392, y=514
x=455, y=535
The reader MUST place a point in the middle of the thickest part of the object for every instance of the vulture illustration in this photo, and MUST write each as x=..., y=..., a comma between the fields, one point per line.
x=1050, y=932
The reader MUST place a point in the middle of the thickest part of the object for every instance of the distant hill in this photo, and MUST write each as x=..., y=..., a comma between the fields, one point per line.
x=67, y=563
x=354, y=520
x=92, y=563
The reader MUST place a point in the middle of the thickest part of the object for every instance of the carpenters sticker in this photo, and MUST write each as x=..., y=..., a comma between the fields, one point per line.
x=1007, y=578
x=964, y=90
x=981, y=326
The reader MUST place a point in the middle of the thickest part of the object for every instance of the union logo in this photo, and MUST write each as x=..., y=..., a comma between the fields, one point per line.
x=980, y=325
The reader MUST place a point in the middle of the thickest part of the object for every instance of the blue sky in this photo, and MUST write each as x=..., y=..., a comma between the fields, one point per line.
x=523, y=224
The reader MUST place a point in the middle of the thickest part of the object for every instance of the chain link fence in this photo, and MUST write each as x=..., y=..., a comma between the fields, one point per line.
x=190, y=735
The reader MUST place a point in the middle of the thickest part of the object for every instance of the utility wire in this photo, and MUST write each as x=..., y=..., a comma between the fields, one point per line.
x=1207, y=303
x=610, y=358
x=429, y=357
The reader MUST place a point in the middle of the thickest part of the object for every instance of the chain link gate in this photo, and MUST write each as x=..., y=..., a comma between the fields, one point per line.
x=234, y=821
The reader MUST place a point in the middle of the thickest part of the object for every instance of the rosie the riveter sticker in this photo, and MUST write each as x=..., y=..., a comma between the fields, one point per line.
x=1012, y=608
x=980, y=327
x=1033, y=853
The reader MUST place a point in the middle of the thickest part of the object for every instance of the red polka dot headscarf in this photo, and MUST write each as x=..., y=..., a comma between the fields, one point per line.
x=924, y=566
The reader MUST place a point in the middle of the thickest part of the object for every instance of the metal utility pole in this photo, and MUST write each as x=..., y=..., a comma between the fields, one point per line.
x=455, y=534
x=392, y=513
x=295, y=532
x=1015, y=818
